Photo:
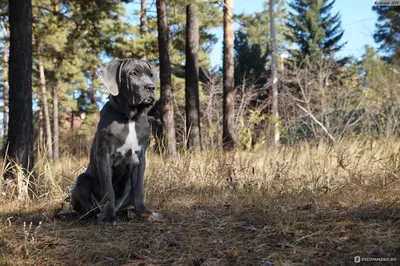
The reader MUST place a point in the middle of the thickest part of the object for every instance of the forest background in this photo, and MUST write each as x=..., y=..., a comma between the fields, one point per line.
x=272, y=136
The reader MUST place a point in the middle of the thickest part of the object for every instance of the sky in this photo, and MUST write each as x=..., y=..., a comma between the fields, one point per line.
x=358, y=22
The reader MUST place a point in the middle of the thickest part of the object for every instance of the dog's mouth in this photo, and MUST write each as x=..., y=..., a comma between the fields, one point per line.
x=139, y=108
x=147, y=102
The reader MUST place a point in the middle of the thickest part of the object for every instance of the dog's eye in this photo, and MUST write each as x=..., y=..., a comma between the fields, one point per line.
x=135, y=72
x=151, y=75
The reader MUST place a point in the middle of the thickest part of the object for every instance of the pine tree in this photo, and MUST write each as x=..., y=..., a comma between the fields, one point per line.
x=388, y=31
x=192, y=105
x=4, y=62
x=70, y=37
x=166, y=101
x=20, y=132
x=209, y=16
x=314, y=30
x=252, y=43
x=381, y=87
x=44, y=106
x=143, y=23
x=228, y=133
x=250, y=61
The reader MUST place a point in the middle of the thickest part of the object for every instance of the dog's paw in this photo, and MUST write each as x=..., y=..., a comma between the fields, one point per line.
x=156, y=214
x=151, y=216
x=108, y=221
x=154, y=217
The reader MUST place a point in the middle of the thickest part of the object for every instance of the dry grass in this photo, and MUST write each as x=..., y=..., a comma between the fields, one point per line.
x=303, y=205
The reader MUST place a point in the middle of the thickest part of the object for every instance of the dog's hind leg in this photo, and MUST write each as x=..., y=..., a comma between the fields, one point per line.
x=80, y=196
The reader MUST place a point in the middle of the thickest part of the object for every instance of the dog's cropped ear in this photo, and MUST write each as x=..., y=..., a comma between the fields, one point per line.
x=110, y=75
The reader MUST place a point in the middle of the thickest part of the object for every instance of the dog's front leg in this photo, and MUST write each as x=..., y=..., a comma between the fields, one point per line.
x=103, y=157
x=137, y=177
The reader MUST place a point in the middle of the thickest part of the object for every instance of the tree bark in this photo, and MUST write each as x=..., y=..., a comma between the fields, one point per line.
x=193, y=131
x=166, y=98
x=274, y=76
x=56, y=149
x=228, y=134
x=40, y=137
x=54, y=95
x=143, y=23
x=20, y=130
x=92, y=93
x=57, y=61
x=6, y=47
x=143, y=17
x=49, y=142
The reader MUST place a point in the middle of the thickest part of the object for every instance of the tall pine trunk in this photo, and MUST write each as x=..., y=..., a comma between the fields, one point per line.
x=54, y=95
x=20, y=130
x=228, y=135
x=166, y=98
x=6, y=47
x=143, y=17
x=56, y=149
x=143, y=24
x=42, y=78
x=92, y=93
x=40, y=137
x=274, y=77
x=193, y=131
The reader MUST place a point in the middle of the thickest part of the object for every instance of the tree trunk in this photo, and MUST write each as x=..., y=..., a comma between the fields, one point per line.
x=57, y=63
x=193, y=131
x=54, y=95
x=143, y=18
x=20, y=130
x=56, y=153
x=143, y=24
x=6, y=47
x=49, y=142
x=5, y=89
x=166, y=98
x=40, y=126
x=92, y=93
x=228, y=135
x=274, y=76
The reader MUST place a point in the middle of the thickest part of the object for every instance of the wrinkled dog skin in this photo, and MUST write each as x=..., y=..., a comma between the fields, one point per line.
x=113, y=180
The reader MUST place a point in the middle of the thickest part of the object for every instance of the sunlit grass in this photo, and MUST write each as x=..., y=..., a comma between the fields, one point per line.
x=307, y=203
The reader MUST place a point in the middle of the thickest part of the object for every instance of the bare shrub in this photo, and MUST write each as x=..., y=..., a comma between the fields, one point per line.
x=321, y=102
x=381, y=85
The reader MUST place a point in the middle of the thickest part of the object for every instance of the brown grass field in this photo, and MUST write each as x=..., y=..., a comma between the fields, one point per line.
x=302, y=205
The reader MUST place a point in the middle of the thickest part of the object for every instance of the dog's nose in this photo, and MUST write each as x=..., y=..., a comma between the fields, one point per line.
x=151, y=88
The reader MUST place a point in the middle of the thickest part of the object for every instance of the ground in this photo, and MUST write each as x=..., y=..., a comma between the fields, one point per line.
x=305, y=205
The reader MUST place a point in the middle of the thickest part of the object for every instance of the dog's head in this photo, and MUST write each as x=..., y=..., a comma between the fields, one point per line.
x=132, y=84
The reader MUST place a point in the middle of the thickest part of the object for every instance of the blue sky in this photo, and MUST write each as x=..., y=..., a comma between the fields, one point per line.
x=358, y=21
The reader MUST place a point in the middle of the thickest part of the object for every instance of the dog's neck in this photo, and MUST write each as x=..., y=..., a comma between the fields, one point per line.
x=115, y=105
x=114, y=102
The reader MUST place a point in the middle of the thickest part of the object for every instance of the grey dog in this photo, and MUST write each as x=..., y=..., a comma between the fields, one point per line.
x=113, y=180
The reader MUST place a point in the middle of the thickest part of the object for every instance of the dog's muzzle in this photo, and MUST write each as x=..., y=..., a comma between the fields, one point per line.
x=148, y=101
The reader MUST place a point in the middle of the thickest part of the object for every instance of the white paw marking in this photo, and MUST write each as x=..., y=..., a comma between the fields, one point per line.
x=155, y=214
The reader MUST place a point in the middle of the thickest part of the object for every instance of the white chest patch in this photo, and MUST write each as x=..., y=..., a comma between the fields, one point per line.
x=131, y=142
